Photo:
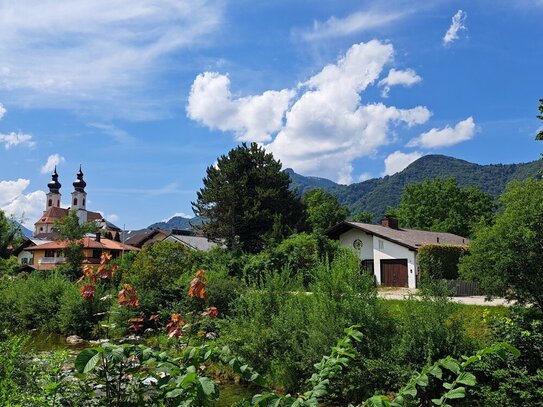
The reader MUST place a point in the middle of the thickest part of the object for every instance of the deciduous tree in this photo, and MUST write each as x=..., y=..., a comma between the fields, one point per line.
x=443, y=206
x=323, y=210
x=507, y=257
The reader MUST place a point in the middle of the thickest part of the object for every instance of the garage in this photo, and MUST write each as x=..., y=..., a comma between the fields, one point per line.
x=394, y=273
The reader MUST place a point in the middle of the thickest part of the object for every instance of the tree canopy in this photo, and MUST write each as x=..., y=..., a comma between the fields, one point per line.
x=9, y=235
x=323, y=210
x=246, y=198
x=539, y=135
x=441, y=205
x=507, y=257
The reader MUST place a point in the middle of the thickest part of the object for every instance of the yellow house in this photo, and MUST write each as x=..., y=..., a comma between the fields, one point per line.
x=49, y=255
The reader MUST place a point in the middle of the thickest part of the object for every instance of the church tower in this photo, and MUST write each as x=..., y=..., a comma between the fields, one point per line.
x=53, y=196
x=79, y=197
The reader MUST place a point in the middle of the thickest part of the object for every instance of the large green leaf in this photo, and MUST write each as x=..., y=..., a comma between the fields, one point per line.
x=87, y=360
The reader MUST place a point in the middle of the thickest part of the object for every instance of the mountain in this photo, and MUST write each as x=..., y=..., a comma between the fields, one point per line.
x=177, y=222
x=375, y=195
x=26, y=232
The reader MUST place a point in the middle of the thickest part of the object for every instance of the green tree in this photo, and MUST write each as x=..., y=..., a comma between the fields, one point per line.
x=323, y=210
x=244, y=195
x=69, y=229
x=507, y=257
x=539, y=135
x=441, y=205
x=362, y=217
x=10, y=235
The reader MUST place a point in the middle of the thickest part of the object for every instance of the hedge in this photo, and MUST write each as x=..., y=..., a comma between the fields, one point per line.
x=440, y=261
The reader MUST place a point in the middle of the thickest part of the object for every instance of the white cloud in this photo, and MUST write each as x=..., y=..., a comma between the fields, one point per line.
x=397, y=161
x=52, y=161
x=26, y=207
x=108, y=51
x=326, y=126
x=457, y=25
x=448, y=136
x=251, y=118
x=395, y=77
x=2, y=110
x=364, y=177
x=112, y=217
x=14, y=139
x=353, y=23
x=119, y=135
x=181, y=214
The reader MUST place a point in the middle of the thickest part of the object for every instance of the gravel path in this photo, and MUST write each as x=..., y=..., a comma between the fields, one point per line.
x=403, y=293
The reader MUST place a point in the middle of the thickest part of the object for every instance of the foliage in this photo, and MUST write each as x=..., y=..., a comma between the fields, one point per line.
x=8, y=266
x=10, y=235
x=507, y=256
x=539, y=135
x=71, y=231
x=440, y=261
x=323, y=210
x=441, y=205
x=362, y=217
x=244, y=195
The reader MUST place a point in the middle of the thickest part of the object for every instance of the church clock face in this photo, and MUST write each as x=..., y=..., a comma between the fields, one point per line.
x=357, y=244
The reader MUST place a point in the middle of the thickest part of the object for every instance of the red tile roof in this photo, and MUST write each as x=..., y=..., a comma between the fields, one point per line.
x=52, y=214
x=88, y=243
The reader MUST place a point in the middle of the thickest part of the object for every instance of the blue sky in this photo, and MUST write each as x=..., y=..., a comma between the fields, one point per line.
x=146, y=95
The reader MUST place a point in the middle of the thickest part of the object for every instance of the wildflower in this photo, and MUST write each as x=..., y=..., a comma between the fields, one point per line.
x=175, y=326
x=197, y=287
x=88, y=291
x=128, y=296
x=137, y=324
x=211, y=312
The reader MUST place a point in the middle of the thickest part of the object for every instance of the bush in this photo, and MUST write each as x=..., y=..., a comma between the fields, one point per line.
x=440, y=261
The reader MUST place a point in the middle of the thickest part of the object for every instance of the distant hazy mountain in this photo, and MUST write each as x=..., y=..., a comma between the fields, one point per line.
x=26, y=232
x=375, y=195
x=177, y=222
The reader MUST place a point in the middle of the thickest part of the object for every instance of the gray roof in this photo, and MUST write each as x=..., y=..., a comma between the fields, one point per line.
x=410, y=238
x=194, y=242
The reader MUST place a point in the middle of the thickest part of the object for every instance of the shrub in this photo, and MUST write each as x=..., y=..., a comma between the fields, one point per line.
x=440, y=261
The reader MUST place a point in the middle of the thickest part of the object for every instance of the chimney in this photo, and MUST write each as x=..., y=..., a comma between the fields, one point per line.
x=390, y=222
x=98, y=236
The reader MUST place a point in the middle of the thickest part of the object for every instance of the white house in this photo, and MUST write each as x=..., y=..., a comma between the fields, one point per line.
x=388, y=250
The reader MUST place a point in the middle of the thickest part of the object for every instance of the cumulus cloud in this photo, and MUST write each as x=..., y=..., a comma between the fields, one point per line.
x=2, y=110
x=397, y=161
x=52, y=161
x=353, y=23
x=252, y=118
x=22, y=205
x=14, y=139
x=457, y=25
x=448, y=136
x=395, y=77
x=84, y=51
x=326, y=125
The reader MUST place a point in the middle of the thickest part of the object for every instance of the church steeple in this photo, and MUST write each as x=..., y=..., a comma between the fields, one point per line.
x=53, y=196
x=79, y=197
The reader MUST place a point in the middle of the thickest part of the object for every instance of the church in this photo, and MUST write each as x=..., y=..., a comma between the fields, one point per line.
x=44, y=228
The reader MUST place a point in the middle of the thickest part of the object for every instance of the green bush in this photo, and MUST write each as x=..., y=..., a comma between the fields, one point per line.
x=438, y=261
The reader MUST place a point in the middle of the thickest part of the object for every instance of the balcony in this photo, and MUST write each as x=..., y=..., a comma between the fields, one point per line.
x=52, y=260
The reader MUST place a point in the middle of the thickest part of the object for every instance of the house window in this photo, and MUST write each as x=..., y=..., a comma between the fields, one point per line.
x=50, y=202
x=96, y=253
x=41, y=229
x=24, y=260
x=381, y=244
x=31, y=260
x=114, y=255
x=49, y=253
x=75, y=201
x=83, y=201
x=367, y=266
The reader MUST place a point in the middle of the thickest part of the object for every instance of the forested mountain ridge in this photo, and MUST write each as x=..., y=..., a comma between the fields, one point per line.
x=375, y=195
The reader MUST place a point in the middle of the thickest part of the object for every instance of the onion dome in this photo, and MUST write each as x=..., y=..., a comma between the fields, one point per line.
x=54, y=185
x=79, y=184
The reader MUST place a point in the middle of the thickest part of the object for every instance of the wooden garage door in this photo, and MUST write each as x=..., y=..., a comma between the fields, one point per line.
x=394, y=273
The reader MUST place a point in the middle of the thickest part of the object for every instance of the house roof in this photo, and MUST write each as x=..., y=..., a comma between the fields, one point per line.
x=53, y=213
x=139, y=237
x=27, y=242
x=410, y=238
x=88, y=243
x=194, y=242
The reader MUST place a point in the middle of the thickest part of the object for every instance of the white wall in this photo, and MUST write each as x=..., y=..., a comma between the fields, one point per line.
x=25, y=255
x=347, y=239
x=391, y=251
